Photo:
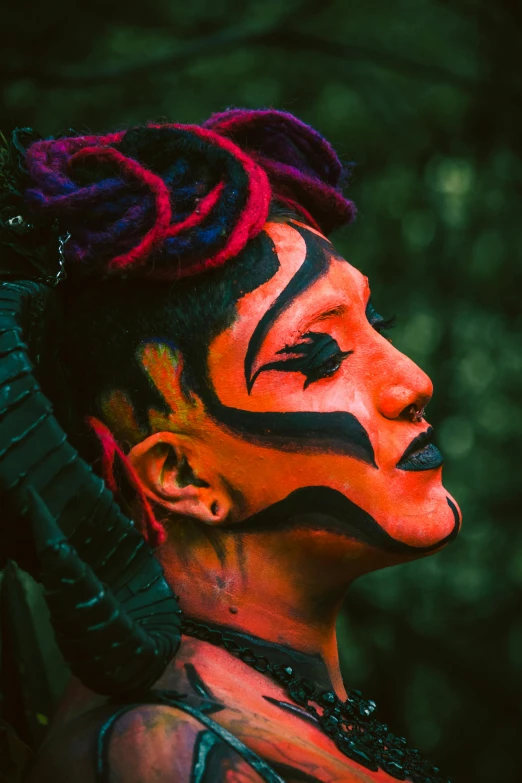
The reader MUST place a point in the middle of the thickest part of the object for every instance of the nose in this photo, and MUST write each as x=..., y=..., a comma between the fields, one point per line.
x=407, y=391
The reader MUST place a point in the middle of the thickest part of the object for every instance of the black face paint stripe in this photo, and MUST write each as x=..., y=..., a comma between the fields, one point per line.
x=317, y=260
x=456, y=529
x=323, y=508
x=335, y=432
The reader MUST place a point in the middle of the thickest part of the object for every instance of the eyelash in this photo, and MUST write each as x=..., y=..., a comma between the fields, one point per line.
x=329, y=365
x=379, y=323
x=317, y=356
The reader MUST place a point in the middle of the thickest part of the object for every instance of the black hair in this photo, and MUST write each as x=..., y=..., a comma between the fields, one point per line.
x=106, y=321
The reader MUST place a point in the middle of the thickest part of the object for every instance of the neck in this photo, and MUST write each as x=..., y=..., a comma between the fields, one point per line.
x=283, y=588
x=310, y=667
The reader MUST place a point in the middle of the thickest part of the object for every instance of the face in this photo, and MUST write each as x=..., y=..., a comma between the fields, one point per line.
x=312, y=415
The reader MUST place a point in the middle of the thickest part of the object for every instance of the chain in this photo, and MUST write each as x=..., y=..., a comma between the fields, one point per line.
x=349, y=724
x=20, y=226
x=62, y=274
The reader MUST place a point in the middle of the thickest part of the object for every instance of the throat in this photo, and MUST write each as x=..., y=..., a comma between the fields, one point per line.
x=280, y=588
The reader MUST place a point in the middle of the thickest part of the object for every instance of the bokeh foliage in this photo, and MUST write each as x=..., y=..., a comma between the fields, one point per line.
x=425, y=96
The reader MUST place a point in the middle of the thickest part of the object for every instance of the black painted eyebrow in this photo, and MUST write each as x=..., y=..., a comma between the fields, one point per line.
x=316, y=263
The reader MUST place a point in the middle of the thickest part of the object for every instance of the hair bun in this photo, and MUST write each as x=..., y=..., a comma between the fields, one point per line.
x=168, y=201
x=303, y=168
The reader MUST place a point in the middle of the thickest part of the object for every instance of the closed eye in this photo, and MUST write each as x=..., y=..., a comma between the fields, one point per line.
x=317, y=356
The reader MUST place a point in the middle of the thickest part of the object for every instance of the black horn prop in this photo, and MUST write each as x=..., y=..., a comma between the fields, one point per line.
x=116, y=619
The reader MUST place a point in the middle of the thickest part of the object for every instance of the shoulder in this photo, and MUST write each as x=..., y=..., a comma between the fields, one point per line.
x=148, y=741
x=152, y=743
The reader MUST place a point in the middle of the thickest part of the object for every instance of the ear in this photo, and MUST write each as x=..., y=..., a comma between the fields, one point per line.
x=173, y=476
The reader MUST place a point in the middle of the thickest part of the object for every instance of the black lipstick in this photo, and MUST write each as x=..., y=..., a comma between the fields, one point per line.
x=421, y=454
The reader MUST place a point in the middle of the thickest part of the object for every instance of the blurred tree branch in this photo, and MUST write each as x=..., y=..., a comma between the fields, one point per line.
x=237, y=37
x=440, y=652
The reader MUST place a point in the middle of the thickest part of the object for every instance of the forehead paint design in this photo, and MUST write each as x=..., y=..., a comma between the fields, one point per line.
x=319, y=253
x=336, y=432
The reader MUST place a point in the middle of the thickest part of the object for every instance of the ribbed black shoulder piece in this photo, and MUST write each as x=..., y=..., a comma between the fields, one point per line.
x=116, y=618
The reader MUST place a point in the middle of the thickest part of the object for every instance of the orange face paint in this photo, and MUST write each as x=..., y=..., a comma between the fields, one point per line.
x=308, y=404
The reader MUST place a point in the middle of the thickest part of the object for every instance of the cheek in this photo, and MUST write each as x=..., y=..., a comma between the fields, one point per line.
x=349, y=391
x=260, y=475
x=410, y=507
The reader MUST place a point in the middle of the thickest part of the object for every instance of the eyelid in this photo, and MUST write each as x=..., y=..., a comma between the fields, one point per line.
x=337, y=311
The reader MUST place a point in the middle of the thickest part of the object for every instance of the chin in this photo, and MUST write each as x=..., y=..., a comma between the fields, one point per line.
x=433, y=524
x=423, y=511
x=412, y=508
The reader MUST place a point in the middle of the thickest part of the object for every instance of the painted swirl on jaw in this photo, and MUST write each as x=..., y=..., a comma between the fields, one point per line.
x=323, y=508
x=337, y=432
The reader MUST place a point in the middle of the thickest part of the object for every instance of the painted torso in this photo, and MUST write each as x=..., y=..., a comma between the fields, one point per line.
x=152, y=742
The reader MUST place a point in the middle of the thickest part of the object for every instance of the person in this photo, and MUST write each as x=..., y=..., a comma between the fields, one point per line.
x=255, y=422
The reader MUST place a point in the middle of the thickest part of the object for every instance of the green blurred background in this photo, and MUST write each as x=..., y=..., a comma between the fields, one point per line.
x=425, y=96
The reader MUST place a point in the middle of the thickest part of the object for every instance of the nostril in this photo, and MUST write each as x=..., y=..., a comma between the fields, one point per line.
x=402, y=402
x=414, y=413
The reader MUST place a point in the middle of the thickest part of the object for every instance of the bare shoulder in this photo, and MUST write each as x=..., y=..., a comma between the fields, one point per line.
x=142, y=744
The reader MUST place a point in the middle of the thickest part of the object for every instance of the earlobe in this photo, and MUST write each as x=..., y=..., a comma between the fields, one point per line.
x=172, y=477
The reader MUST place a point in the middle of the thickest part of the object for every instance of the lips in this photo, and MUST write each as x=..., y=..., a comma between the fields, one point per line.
x=421, y=454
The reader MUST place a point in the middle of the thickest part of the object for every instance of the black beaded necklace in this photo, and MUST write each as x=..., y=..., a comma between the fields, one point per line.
x=350, y=724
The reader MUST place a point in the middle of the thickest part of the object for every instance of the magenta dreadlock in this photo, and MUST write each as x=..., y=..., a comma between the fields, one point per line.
x=184, y=197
